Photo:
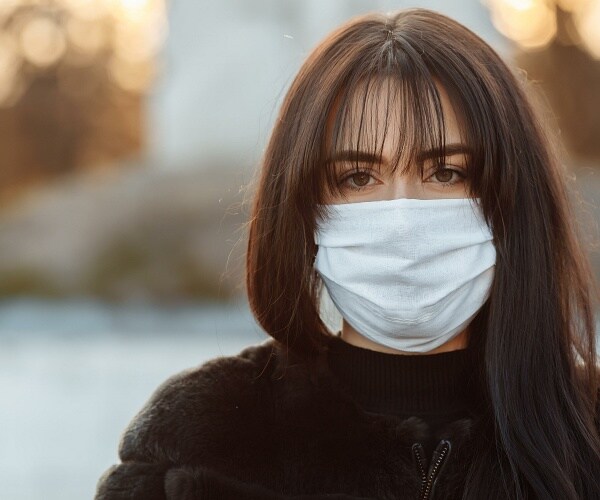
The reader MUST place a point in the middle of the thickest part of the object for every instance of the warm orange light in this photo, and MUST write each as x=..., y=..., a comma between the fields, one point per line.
x=587, y=21
x=135, y=5
x=86, y=36
x=42, y=41
x=530, y=23
x=8, y=6
x=10, y=61
x=126, y=33
x=572, y=5
x=135, y=11
x=139, y=42
x=87, y=9
x=520, y=5
x=131, y=77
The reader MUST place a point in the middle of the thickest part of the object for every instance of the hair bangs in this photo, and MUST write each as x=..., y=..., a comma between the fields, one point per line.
x=359, y=123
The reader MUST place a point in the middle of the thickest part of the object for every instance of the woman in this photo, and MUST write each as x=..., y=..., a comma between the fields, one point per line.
x=407, y=175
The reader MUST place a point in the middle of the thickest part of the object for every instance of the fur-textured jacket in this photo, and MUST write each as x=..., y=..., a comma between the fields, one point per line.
x=262, y=425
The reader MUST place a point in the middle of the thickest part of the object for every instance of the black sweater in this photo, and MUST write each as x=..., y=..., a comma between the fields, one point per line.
x=435, y=387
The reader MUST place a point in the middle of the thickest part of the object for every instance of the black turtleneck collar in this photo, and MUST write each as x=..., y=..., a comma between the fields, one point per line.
x=440, y=384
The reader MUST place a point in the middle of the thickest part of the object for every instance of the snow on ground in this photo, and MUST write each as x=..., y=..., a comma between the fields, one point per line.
x=73, y=375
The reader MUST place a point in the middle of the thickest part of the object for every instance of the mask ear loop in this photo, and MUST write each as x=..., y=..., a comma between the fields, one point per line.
x=329, y=313
x=327, y=310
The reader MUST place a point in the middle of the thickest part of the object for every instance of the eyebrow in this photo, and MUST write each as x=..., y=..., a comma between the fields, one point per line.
x=452, y=149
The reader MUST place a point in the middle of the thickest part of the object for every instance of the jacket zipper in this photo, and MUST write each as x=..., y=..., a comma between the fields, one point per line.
x=417, y=449
x=428, y=478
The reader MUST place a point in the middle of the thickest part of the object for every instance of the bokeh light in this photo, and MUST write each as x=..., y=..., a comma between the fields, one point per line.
x=134, y=77
x=530, y=23
x=42, y=41
x=587, y=20
x=86, y=36
x=122, y=36
x=571, y=5
x=533, y=24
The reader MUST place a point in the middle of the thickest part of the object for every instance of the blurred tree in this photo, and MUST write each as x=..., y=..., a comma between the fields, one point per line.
x=73, y=75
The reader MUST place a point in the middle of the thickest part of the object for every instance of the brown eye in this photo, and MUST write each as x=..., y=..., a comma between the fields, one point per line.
x=357, y=180
x=447, y=177
x=361, y=179
x=444, y=175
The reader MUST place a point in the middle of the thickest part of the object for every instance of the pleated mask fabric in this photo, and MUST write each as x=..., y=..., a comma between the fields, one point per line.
x=406, y=273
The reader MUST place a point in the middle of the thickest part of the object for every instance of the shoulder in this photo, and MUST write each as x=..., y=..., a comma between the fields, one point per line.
x=192, y=409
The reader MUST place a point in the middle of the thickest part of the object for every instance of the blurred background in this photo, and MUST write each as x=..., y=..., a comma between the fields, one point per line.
x=129, y=131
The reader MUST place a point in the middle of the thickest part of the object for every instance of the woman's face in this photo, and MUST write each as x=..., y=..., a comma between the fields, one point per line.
x=374, y=181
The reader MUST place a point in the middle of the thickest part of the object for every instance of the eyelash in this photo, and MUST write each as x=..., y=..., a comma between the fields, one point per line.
x=356, y=171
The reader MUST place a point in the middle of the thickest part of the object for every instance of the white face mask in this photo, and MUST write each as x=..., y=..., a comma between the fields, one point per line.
x=406, y=273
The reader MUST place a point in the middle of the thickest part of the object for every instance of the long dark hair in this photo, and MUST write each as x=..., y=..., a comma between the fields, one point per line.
x=536, y=341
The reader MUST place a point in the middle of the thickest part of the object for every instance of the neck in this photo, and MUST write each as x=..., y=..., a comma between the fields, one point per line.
x=351, y=336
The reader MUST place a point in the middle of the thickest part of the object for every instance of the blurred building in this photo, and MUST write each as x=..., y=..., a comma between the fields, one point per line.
x=227, y=65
